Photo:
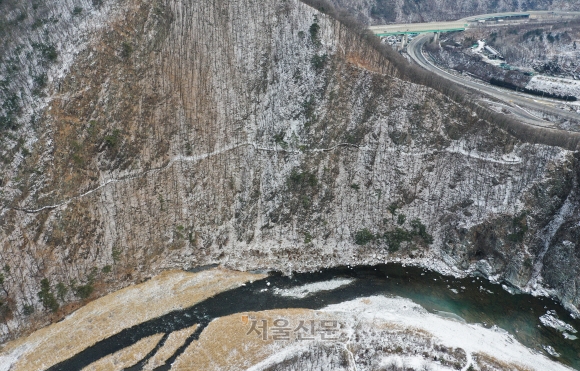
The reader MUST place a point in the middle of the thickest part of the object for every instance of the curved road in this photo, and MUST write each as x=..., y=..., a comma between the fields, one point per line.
x=513, y=99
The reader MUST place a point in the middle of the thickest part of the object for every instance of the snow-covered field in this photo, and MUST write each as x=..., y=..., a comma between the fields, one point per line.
x=555, y=85
x=474, y=339
x=376, y=333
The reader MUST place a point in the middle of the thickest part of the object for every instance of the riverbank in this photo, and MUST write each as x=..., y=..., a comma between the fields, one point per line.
x=109, y=315
x=372, y=317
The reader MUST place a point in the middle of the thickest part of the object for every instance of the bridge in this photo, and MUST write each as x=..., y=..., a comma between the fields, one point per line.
x=499, y=17
x=494, y=19
x=459, y=25
x=417, y=28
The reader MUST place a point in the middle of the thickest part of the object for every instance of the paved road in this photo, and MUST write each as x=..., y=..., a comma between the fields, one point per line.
x=517, y=101
x=467, y=22
x=419, y=27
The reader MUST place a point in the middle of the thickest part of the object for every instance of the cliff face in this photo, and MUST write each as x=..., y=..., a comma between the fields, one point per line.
x=263, y=135
x=405, y=11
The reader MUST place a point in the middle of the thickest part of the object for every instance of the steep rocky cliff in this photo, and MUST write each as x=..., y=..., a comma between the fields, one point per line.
x=403, y=11
x=259, y=135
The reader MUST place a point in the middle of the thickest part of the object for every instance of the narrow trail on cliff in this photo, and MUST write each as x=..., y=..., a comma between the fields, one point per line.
x=180, y=158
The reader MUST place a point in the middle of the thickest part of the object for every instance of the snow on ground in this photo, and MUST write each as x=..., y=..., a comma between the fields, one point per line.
x=126, y=357
x=479, y=47
x=106, y=316
x=416, y=363
x=472, y=338
x=311, y=288
x=171, y=345
x=375, y=333
x=7, y=360
x=555, y=85
x=449, y=315
x=506, y=159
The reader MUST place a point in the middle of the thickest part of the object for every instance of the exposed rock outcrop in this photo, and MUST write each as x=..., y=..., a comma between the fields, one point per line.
x=265, y=135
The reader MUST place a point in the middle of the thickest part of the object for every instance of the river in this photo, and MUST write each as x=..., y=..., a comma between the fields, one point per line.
x=473, y=299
